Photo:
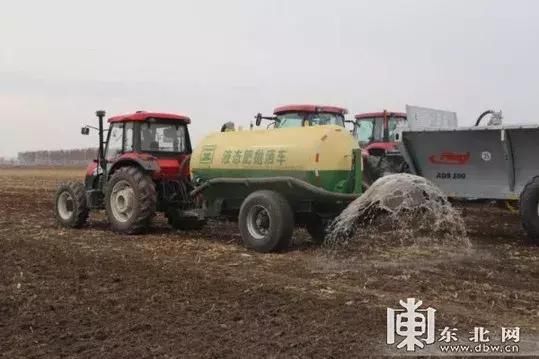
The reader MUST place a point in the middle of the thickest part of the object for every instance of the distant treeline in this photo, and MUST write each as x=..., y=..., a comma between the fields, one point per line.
x=75, y=157
x=7, y=161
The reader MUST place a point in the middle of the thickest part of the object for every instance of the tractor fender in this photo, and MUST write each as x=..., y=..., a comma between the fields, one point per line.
x=146, y=165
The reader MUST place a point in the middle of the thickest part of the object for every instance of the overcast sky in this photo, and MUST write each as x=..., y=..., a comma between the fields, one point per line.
x=219, y=61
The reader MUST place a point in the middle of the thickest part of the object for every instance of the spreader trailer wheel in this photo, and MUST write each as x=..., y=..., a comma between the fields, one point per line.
x=266, y=221
x=529, y=209
x=130, y=200
x=70, y=208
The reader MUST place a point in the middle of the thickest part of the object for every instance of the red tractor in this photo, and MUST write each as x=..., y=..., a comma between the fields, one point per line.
x=377, y=134
x=142, y=167
x=304, y=115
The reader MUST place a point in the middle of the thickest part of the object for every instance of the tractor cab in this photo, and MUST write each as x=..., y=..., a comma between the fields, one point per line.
x=161, y=135
x=156, y=142
x=304, y=115
x=377, y=134
x=378, y=130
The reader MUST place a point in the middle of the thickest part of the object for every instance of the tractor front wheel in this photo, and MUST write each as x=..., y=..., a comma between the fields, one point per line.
x=266, y=221
x=70, y=208
x=130, y=200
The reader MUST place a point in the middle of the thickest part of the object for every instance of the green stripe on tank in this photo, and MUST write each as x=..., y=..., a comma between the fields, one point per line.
x=333, y=180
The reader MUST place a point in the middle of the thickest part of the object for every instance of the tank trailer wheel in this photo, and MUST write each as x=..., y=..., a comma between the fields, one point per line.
x=316, y=227
x=182, y=223
x=529, y=209
x=130, y=200
x=70, y=208
x=266, y=221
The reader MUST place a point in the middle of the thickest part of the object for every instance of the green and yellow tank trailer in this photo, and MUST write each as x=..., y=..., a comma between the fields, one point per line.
x=274, y=179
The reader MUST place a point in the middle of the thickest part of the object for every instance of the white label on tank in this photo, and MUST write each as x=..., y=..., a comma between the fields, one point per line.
x=486, y=156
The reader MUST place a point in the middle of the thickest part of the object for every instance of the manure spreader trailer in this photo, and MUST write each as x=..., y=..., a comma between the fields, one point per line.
x=491, y=162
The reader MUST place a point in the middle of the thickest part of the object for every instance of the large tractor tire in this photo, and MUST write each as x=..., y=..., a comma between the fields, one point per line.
x=529, y=209
x=130, y=200
x=266, y=221
x=176, y=221
x=70, y=207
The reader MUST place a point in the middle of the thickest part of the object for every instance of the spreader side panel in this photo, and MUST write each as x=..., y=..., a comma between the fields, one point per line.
x=475, y=162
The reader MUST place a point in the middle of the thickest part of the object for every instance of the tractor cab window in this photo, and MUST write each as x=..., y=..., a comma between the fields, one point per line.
x=319, y=119
x=300, y=119
x=115, y=141
x=370, y=130
x=164, y=136
x=128, y=137
x=392, y=125
x=291, y=119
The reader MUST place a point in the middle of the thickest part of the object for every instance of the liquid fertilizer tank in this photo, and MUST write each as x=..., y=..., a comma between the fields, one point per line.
x=320, y=155
x=273, y=178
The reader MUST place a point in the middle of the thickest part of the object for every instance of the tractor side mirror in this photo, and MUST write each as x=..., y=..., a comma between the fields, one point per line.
x=85, y=131
x=258, y=118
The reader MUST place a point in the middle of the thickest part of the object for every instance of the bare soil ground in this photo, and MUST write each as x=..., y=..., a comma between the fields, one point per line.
x=91, y=293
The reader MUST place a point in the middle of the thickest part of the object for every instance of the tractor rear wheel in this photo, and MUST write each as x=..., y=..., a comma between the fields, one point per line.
x=70, y=208
x=266, y=221
x=130, y=200
x=529, y=209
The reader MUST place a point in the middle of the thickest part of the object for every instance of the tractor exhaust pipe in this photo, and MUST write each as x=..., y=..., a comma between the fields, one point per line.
x=101, y=155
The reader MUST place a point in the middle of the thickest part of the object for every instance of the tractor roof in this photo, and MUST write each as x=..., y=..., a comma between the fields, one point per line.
x=143, y=116
x=309, y=108
x=360, y=116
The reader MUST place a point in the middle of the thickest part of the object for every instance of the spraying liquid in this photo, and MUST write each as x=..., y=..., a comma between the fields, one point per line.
x=404, y=207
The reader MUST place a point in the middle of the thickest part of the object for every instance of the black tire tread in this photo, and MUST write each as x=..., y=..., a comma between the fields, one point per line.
x=316, y=229
x=288, y=221
x=285, y=219
x=81, y=211
x=528, y=209
x=145, y=187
